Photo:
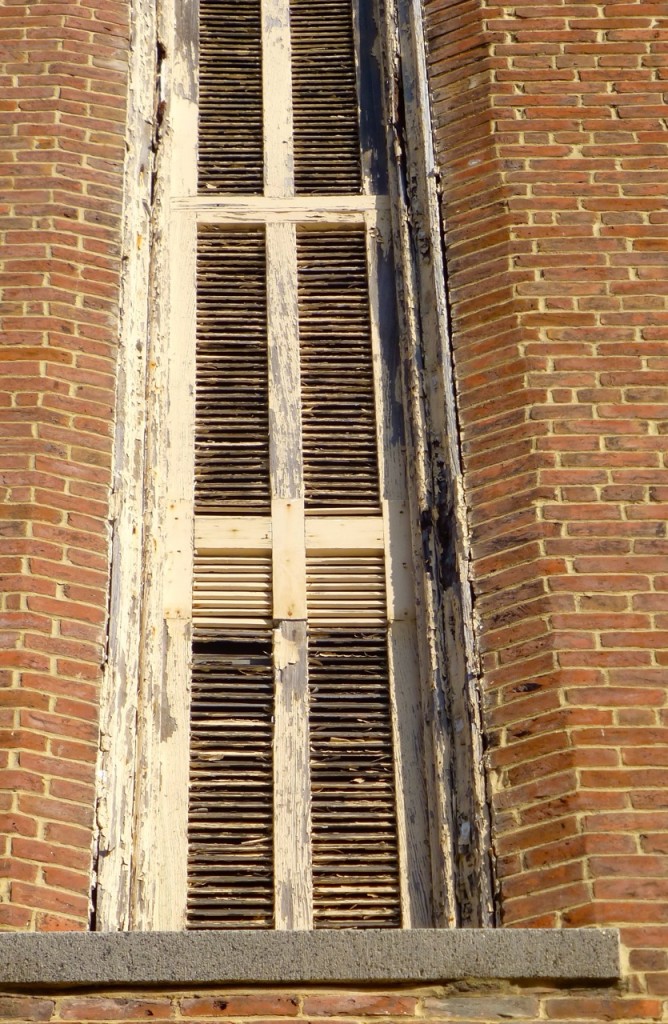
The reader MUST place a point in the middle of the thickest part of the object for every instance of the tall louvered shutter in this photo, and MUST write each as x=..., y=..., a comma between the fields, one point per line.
x=303, y=620
x=231, y=782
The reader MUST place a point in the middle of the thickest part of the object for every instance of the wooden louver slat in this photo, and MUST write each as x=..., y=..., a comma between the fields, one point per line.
x=346, y=589
x=230, y=96
x=353, y=812
x=338, y=409
x=230, y=821
x=231, y=589
x=324, y=96
x=232, y=417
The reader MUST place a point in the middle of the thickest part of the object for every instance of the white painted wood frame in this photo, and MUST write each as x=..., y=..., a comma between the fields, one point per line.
x=155, y=887
x=159, y=874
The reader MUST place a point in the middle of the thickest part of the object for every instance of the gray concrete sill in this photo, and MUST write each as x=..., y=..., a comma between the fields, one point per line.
x=71, y=959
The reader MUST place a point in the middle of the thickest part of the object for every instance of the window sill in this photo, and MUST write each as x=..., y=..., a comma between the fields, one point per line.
x=70, y=959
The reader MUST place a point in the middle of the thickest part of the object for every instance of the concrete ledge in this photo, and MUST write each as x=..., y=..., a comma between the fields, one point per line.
x=200, y=958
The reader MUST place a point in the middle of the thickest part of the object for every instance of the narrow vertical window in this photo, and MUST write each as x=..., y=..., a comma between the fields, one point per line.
x=281, y=777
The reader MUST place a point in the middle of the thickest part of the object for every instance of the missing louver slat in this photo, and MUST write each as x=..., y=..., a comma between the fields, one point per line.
x=324, y=96
x=232, y=418
x=354, y=830
x=230, y=96
x=338, y=408
x=230, y=821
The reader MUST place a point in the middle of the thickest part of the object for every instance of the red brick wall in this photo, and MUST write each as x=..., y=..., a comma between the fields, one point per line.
x=487, y=1003
x=551, y=131
x=62, y=108
x=551, y=136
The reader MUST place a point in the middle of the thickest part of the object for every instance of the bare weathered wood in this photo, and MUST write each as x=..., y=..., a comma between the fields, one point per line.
x=474, y=839
x=285, y=448
x=405, y=689
x=411, y=796
x=289, y=558
x=257, y=209
x=399, y=562
x=159, y=883
x=159, y=874
x=326, y=534
x=292, y=788
x=232, y=533
x=437, y=746
x=277, y=98
x=292, y=863
x=119, y=697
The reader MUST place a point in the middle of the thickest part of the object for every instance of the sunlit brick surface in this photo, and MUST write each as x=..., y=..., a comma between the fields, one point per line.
x=551, y=134
x=62, y=106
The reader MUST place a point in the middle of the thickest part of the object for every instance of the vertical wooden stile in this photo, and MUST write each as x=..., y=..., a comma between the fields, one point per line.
x=293, y=887
x=161, y=809
x=292, y=826
x=277, y=99
x=412, y=822
x=119, y=698
x=292, y=844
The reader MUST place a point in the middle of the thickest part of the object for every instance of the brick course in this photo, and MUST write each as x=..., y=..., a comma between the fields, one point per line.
x=485, y=1003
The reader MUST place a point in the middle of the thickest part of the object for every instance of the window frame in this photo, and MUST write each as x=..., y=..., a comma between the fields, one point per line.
x=141, y=856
